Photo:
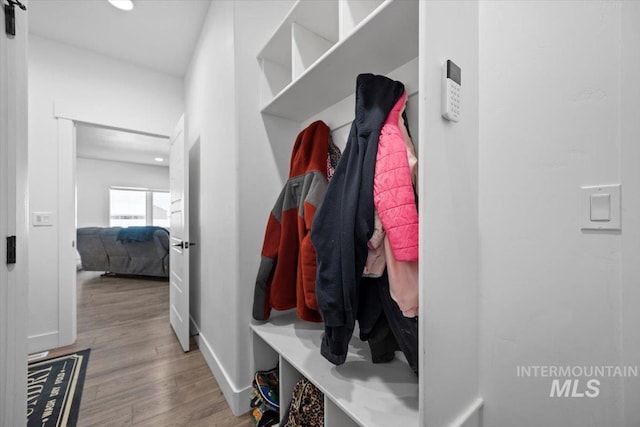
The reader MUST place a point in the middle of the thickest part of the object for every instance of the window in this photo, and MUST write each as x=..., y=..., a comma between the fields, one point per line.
x=138, y=206
x=128, y=207
x=161, y=208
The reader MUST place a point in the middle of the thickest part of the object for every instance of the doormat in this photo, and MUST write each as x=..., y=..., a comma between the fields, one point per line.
x=54, y=390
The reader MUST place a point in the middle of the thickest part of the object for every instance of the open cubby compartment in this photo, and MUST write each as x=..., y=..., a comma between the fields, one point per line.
x=334, y=416
x=275, y=77
x=289, y=376
x=306, y=33
x=353, y=12
x=264, y=357
x=306, y=47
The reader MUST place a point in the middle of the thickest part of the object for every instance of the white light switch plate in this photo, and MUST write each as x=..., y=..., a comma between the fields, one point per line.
x=42, y=219
x=594, y=210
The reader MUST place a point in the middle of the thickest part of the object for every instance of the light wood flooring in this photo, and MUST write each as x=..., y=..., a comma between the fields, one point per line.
x=137, y=373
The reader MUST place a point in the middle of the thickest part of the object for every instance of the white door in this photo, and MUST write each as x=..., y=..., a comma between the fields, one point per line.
x=179, y=250
x=13, y=190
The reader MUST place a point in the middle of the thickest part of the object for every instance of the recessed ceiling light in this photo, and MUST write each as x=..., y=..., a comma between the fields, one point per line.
x=122, y=4
x=159, y=159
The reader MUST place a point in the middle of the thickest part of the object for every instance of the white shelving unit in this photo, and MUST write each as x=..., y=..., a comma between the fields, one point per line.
x=357, y=393
x=352, y=13
x=309, y=68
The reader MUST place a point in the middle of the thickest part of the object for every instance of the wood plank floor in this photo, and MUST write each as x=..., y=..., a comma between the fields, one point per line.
x=137, y=373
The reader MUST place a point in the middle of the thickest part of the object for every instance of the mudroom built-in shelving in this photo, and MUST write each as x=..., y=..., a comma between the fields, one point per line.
x=357, y=393
x=308, y=69
x=311, y=61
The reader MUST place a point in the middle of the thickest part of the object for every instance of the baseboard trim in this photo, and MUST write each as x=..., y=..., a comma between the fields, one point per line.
x=472, y=416
x=237, y=399
x=42, y=342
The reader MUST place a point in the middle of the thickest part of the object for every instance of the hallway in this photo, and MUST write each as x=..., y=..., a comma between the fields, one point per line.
x=137, y=373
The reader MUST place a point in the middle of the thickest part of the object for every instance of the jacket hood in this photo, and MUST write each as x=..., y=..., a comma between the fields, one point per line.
x=397, y=110
x=310, y=150
x=375, y=97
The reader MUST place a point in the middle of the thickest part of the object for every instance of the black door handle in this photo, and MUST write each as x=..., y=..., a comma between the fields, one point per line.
x=184, y=245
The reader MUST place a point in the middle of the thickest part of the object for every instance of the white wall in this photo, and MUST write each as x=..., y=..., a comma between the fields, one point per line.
x=449, y=384
x=95, y=177
x=210, y=116
x=262, y=157
x=102, y=90
x=550, y=123
x=238, y=180
x=630, y=131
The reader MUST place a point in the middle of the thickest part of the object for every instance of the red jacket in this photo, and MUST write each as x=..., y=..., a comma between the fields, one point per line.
x=287, y=274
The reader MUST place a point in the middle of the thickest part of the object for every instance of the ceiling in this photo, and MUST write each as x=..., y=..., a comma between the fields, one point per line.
x=95, y=142
x=157, y=34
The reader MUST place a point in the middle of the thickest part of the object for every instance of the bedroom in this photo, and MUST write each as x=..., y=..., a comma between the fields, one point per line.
x=122, y=180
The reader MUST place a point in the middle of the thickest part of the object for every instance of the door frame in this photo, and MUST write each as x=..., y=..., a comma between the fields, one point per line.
x=13, y=221
x=67, y=301
x=67, y=116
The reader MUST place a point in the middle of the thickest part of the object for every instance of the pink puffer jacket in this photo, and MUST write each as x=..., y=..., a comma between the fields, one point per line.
x=393, y=193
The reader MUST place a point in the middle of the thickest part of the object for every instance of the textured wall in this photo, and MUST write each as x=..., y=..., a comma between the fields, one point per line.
x=549, y=123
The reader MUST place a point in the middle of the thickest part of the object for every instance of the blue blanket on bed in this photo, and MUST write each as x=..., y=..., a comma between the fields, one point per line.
x=138, y=234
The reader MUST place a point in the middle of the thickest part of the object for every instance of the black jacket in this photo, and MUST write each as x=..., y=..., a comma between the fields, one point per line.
x=343, y=224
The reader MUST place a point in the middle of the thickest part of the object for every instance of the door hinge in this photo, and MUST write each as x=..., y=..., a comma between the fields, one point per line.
x=10, y=16
x=11, y=249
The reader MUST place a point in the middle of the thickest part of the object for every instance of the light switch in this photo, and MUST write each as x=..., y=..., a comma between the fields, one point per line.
x=601, y=207
x=42, y=219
